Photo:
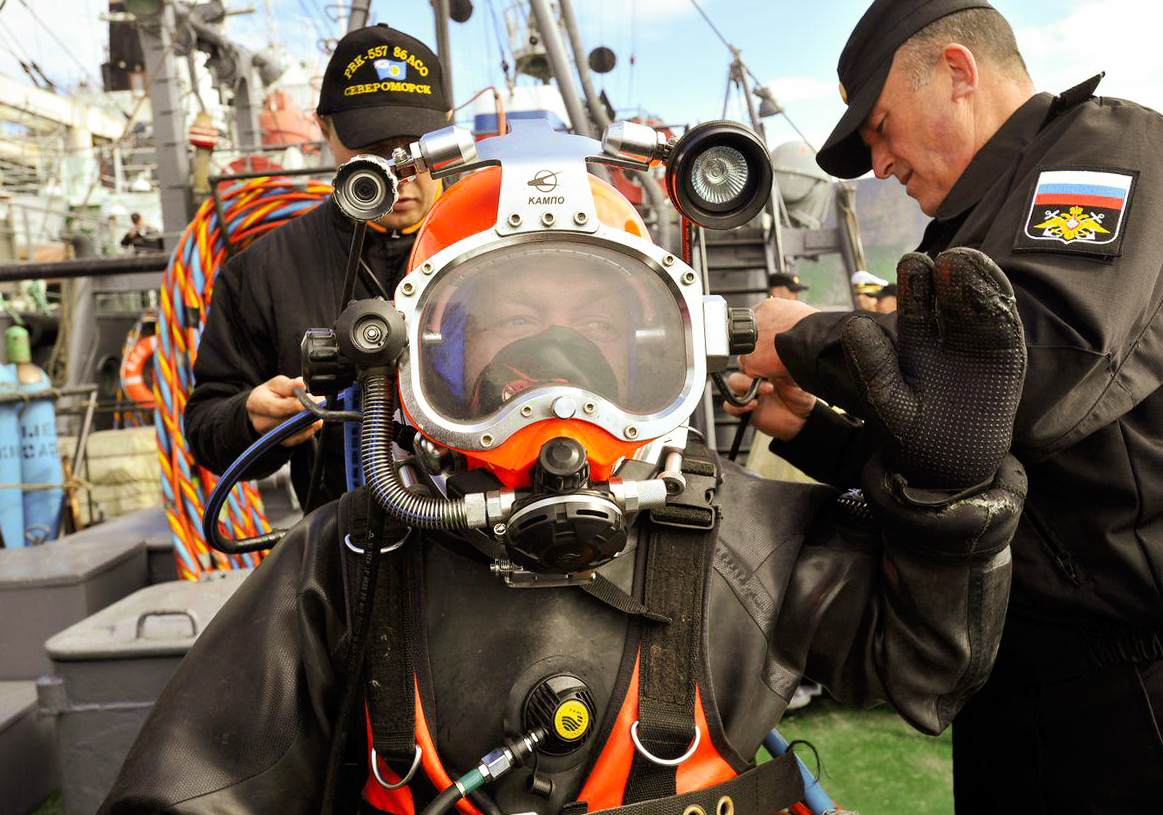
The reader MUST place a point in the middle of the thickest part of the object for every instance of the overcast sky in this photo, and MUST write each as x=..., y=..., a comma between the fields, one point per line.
x=670, y=62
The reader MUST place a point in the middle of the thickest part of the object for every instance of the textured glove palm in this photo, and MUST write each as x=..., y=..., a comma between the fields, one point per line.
x=946, y=394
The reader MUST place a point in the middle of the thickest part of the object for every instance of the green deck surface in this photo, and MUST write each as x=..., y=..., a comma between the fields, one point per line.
x=874, y=763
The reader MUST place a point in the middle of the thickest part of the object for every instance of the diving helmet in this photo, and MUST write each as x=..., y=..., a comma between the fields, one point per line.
x=541, y=341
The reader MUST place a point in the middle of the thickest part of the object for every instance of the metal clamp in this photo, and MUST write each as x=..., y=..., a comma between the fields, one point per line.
x=664, y=762
x=402, y=781
x=390, y=548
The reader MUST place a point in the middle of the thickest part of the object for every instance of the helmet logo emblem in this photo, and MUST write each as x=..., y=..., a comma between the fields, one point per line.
x=544, y=181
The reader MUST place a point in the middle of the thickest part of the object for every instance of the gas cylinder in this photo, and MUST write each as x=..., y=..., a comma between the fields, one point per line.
x=39, y=461
x=11, y=503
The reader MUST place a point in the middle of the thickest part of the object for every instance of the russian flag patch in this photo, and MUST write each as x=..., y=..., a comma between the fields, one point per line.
x=1078, y=210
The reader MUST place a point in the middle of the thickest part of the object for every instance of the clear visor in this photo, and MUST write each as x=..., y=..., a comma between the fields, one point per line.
x=551, y=314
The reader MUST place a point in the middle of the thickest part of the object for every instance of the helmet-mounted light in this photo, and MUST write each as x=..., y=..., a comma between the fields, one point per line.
x=719, y=175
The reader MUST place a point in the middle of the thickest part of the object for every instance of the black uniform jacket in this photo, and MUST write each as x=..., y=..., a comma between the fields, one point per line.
x=1089, y=551
x=911, y=615
x=264, y=299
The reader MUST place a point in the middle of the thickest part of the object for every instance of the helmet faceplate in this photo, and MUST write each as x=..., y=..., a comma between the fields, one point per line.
x=536, y=307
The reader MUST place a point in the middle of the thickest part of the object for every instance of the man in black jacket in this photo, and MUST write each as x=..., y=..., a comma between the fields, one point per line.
x=1065, y=193
x=382, y=89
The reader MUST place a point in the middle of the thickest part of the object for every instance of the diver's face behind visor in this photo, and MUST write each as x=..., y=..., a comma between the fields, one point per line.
x=580, y=321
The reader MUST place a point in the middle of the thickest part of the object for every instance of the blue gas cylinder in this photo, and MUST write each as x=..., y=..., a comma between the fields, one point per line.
x=39, y=461
x=11, y=502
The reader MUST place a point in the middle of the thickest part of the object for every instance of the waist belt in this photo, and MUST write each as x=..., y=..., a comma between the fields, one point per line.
x=769, y=788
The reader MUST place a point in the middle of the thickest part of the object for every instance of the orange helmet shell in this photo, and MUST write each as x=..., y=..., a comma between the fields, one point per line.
x=467, y=208
x=470, y=206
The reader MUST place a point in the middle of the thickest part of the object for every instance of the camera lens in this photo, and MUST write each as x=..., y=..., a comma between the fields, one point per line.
x=365, y=189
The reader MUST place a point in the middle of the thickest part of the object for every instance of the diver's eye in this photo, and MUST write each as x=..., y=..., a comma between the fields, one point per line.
x=516, y=325
x=598, y=329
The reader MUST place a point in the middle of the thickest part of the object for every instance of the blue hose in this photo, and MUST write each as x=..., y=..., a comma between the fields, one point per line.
x=233, y=474
x=816, y=799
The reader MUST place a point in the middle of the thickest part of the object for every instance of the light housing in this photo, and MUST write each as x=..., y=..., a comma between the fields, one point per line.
x=366, y=187
x=719, y=175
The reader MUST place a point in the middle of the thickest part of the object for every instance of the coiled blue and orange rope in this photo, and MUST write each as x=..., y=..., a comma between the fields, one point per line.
x=242, y=213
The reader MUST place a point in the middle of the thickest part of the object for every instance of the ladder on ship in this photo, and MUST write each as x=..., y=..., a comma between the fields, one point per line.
x=738, y=265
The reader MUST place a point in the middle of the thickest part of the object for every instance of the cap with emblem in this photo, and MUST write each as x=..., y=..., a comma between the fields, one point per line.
x=886, y=291
x=864, y=66
x=788, y=281
x=381, y=83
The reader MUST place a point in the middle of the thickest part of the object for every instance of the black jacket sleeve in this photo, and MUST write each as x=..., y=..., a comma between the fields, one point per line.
x=236, y=352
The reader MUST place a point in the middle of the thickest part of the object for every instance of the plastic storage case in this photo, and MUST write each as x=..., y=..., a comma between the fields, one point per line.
x=45, y=589
x=110, y=668
x=28, y=756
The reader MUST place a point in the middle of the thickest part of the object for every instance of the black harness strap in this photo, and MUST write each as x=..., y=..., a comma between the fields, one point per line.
x=771, y=787
x=387, y=667
x=361, y=589
x=603, y=589
x=680, y=545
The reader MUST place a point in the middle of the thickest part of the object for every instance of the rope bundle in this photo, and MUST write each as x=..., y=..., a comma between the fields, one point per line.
x=241, y=213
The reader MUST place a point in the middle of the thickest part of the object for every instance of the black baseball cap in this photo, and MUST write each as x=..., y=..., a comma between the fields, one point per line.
x=381, y=83
x=864, y=66
x=788, y=281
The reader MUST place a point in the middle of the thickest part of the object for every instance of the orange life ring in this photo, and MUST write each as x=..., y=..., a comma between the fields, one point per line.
x=133, y=381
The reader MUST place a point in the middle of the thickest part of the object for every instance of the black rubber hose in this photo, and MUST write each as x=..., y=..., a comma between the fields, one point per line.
x=443, y=802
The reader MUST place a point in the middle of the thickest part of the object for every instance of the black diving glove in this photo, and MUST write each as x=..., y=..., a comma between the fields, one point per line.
x=945, y=396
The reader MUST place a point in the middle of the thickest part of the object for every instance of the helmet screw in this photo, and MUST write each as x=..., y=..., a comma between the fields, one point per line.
x=426, y=268
x=487, y=440
x=407, y=288
x=688, y=278
x=548, y=218
x=589, y=407
x=515, y=219
x=668, y=260
x=564, y=407
x=631, y=432
x=526, y=411
x=372, y=334
x=580, y=218
x=499, y=529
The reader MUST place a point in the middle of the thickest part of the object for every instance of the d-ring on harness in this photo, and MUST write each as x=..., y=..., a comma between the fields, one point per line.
x=664, y=762
x=403, y=781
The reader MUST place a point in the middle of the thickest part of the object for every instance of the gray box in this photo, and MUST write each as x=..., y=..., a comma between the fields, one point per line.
x=28, y=754
x=45, y=589
x=148, y=525
x=110, y=668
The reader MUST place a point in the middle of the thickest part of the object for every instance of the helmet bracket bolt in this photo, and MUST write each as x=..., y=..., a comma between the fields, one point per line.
x=515, y=219
x=548, y=218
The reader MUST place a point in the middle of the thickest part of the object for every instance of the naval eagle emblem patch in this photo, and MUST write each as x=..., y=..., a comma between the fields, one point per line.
x=1078, y=211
